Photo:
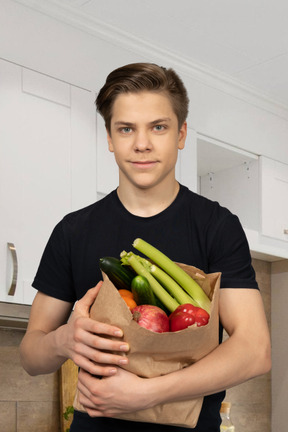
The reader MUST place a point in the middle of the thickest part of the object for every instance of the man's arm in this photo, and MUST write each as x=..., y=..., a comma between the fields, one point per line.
x=50, y=339
x=244, y=355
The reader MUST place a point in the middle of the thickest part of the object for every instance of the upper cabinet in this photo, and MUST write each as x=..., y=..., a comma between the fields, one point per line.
x=274, y=199
x=47, y=168
x=106, y=167
x=251, y=186
x=230, y=176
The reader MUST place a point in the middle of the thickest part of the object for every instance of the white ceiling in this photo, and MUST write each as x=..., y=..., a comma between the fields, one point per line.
x=243, y=39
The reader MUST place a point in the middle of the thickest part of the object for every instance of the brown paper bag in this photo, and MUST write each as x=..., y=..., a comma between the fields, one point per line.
x=154, y=354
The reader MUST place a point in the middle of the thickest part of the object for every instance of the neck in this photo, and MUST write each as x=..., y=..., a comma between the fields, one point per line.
x=148, y=202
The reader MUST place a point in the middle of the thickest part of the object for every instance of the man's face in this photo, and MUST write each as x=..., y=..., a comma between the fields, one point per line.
x=145, y=138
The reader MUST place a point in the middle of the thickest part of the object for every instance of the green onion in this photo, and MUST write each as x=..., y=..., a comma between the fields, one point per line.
x=177, y=273
x=169, y=302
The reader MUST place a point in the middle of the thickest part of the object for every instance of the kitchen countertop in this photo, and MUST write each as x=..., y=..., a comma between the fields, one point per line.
x=14, y=315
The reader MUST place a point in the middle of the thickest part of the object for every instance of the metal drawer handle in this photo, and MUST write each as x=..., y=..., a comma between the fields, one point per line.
x=12, y=288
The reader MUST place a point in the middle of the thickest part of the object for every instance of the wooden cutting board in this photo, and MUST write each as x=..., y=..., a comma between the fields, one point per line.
x=68, y=375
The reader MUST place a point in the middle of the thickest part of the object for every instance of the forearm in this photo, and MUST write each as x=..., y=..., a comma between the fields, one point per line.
x=230, y=364
x=52, y=337
x=42, y=353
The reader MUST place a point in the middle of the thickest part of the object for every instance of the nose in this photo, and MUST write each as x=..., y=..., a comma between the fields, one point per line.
x=142, y=141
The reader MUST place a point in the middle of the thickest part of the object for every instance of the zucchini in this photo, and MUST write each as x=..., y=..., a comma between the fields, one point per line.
x=121, y=276
x=142, y=292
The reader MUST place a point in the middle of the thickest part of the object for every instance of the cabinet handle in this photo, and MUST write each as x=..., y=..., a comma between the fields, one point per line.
x=285, y=231
x=12, y=288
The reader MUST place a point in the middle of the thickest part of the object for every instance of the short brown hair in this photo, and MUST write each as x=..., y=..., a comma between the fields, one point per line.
x=138, y=77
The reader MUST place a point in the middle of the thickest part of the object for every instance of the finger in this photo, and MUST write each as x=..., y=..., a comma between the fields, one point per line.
x=98, y=341
x=95, y=413
x=88, y=387
x=98, y=362
x=91, y=409
x=102, y=328
x=91, y=328
x=94, y=369
x=84, y=379
x=85, y=400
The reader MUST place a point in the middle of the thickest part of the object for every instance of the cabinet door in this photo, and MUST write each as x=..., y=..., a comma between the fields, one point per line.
x=274, y=203
x=107, y=168
x=230, y=176
x=47, y=167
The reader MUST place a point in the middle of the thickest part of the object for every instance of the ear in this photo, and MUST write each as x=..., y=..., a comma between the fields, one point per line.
x=182, y=136
x=109, y=140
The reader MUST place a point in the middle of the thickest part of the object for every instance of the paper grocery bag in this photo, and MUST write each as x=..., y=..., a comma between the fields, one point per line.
x=154, y=354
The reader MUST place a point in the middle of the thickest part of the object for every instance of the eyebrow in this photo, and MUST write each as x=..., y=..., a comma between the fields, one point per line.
x=123, y=123
x=153, y=123
x=160, y=120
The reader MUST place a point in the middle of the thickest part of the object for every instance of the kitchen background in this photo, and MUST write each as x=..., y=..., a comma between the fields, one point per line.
x=54, y=56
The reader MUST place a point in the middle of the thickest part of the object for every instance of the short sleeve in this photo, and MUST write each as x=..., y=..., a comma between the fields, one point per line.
x=230, y=255
x=54, y=274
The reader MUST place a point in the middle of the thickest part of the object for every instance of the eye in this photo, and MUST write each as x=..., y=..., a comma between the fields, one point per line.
x=125, y=130
x=159, y=128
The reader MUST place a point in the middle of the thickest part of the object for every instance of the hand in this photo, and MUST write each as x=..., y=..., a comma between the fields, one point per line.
x=87, y=343
x=118, y=394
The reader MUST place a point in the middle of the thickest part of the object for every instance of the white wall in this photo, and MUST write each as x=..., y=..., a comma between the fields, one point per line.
x=38, y=42
x=218, y=107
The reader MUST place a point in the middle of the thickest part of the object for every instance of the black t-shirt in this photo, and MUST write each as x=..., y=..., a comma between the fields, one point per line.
x=192, y=230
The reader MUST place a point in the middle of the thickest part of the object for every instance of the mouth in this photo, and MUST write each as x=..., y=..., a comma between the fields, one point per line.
x=144, y=164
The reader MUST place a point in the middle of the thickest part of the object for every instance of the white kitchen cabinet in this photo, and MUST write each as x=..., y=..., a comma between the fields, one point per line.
x=254, y=188
x=107, y=169
x=274, y=199
x=230, y=176
x=47, y=167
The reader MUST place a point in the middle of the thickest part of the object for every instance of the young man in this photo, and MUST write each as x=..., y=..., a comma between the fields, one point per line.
x=145, y=108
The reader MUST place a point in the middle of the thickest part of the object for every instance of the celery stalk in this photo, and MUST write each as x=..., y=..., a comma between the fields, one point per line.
x=178, y=274
x=125, y=259
x=169, y=302
x=170, y=285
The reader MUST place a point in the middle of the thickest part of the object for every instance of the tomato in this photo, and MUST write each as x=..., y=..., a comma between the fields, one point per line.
x=181, y=320
x=186, y=308
x=201, y=317
x=186, y=315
